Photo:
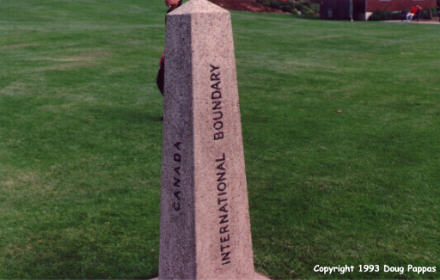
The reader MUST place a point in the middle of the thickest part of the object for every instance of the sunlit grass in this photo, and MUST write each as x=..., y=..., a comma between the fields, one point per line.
x=80, y=140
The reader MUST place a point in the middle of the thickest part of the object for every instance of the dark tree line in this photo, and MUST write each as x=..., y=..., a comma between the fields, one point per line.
x=307, y=8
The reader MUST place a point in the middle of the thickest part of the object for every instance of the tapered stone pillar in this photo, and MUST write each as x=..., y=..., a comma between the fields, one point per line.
x=205, y=229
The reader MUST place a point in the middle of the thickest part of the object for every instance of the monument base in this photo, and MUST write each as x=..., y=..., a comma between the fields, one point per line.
x=257, y=276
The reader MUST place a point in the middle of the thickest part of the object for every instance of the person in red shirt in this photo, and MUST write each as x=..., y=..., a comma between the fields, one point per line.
x=414, y=10
x=172, y=5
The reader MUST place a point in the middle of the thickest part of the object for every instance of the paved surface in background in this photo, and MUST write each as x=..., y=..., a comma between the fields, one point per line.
x=433, y=21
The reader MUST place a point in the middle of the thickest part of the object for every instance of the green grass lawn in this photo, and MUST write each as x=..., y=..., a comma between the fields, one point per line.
x=80, y=141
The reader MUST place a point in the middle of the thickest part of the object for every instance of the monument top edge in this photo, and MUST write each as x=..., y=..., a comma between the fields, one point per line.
x=198, y=7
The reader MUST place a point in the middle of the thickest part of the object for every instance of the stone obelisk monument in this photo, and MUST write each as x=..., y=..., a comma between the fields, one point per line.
x=204, y=228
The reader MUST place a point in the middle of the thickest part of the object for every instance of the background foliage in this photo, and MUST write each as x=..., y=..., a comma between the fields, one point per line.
x=304, y=8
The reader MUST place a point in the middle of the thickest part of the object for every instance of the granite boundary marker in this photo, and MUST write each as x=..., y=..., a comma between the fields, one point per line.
x=204, y=227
